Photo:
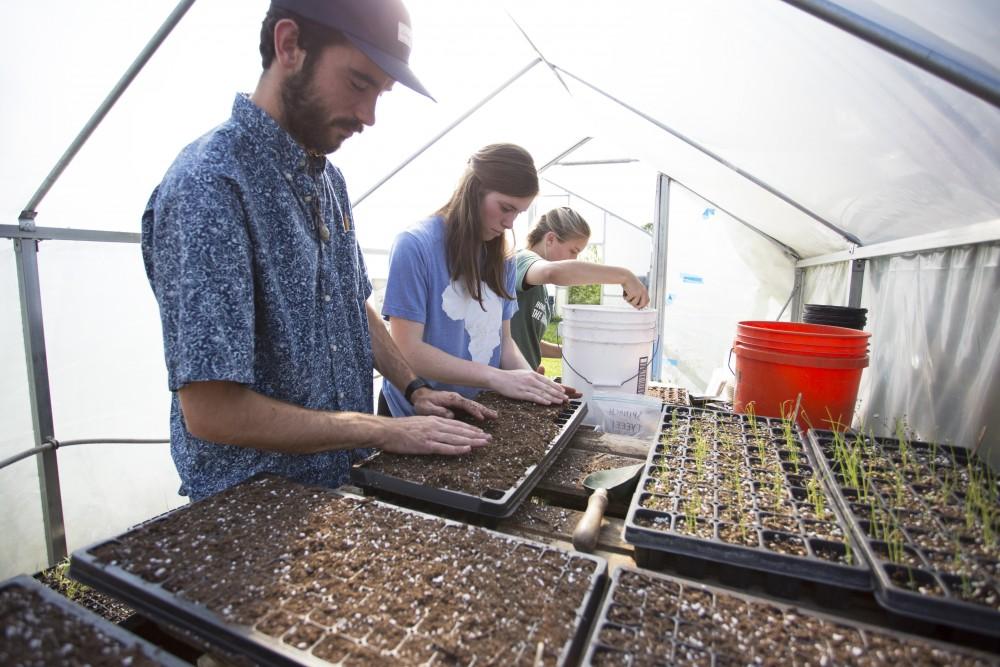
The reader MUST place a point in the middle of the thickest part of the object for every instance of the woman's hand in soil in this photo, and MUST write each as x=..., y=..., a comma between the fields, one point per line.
x=634, y=292
x=433, y=403
x=431, y=435
x=527, y=385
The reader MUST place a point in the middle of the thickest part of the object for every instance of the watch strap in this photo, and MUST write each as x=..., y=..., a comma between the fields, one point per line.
x=418, y=383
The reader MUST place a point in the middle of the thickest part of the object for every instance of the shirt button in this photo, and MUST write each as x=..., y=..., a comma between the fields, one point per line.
x=333, y=347
x=326, y=297
x=308, y=198
x=340, y=395
x=288, y=175
x=302, y=163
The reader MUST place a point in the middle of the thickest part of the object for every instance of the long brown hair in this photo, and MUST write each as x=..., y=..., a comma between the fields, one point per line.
x=503, y=168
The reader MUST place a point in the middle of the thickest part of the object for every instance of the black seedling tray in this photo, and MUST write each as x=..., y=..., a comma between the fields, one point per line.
x=651, y=618
x=164, y=570
x=495, y=503
x=925, y=552
x=694, y=513
x=53, y=607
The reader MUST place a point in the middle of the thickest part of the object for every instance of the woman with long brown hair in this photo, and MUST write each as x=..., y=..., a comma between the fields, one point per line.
x=451, y=289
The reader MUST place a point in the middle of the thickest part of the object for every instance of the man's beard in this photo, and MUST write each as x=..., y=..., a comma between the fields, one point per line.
x=306, y=119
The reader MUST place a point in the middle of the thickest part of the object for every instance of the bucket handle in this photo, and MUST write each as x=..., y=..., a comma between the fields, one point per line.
x=587, y=380
x=729, y=361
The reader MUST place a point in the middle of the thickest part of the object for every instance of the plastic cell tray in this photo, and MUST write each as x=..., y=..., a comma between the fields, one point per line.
x=151, y=592
x=651, y=618
x=494, y=503
x=53, y=607
x=659, y=522
x=924, y=568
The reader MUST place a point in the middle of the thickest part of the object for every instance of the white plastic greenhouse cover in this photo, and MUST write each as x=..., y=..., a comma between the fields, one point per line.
x=841, y=140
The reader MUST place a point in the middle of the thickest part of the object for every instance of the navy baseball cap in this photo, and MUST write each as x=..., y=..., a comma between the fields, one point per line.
x=379, y=28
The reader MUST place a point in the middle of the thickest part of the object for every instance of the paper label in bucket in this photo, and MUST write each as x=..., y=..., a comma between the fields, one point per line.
x=641, y=385
x=626, y=414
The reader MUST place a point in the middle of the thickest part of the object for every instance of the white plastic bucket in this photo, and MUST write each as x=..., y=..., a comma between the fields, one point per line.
x=607, y=348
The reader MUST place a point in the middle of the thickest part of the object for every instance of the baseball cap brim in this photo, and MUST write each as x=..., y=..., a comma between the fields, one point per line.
x=391, y=65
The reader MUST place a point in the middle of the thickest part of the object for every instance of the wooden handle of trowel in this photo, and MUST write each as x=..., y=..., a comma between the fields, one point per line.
x=585, y=535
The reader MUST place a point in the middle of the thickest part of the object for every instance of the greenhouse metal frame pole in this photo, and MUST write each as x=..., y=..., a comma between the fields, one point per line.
x=26, y=252
x=972, y=81
x=658, y=272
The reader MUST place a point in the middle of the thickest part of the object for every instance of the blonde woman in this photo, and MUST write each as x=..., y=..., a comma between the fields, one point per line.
x=553, y=244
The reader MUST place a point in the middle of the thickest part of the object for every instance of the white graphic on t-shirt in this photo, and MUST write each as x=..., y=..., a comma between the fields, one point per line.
x=483, y=326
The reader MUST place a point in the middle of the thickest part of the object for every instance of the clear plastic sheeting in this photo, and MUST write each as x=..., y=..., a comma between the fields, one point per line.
x=719, y=272
x=108, y=380
x=935, y=350
x=827, y=284
x=20, y=504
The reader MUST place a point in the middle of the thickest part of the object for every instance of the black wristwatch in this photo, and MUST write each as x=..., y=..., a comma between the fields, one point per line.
x=419, y=383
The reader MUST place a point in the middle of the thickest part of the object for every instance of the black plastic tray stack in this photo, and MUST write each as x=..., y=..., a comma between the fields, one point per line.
x=660, y=540
x=492, y=503
x=167, y=594
x=920, y=551
x=56, y=608
x=650, y=618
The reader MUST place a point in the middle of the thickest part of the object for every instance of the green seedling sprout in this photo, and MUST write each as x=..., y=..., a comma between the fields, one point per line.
x=816, y=497
x=691, y=512
x=904, y=446
x=751, y=412
x=789, y=433
x=848, y=550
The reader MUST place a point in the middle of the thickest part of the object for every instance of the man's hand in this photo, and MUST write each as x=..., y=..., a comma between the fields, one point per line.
x=427, y=401
x=430, y=435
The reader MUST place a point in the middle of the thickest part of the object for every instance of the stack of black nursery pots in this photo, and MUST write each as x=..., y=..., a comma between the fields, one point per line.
x=837, y=316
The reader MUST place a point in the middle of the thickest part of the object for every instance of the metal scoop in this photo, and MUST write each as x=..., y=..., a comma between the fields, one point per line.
x=617, y=483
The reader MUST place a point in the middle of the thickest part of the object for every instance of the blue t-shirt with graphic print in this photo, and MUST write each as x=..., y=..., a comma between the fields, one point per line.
x=420, y=289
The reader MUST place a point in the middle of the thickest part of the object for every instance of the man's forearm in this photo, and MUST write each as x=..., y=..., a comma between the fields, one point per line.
x=389, y=360
x=233, y=414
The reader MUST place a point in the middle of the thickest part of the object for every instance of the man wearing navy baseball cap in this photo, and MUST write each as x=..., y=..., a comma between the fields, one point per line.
x=250, y=248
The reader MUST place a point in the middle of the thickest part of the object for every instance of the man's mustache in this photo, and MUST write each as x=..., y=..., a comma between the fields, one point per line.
x=348, y=124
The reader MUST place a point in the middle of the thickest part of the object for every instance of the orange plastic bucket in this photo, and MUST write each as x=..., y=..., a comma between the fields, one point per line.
x=818, y=362
x=803, y=338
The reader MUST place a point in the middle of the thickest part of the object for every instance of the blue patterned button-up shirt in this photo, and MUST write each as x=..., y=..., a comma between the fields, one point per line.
x=250, y=249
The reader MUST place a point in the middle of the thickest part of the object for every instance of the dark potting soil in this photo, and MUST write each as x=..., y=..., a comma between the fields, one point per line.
x=649, y=619
x=39, y=633
x=57, y=579
x=573, y=466
x=357, y=580
x=522, y=433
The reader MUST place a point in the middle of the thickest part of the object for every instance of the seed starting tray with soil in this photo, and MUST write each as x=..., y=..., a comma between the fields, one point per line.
x=284, y=573
x=927, y=517
x=490, y=481
x=41, y=627
x=654, y=619
x=742, y=491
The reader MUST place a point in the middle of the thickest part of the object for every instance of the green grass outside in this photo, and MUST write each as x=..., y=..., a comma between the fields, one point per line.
x=553, y=367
